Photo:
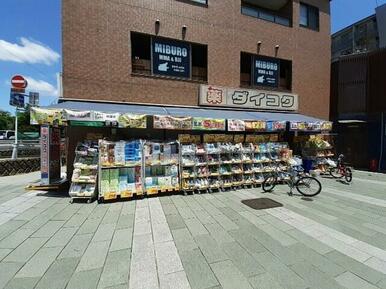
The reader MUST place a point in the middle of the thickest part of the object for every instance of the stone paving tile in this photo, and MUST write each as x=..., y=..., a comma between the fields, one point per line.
x=219, y=234
x=85, y=279
x=94, y=256
x=122, y=239
x=22, y=283
x=104, y=233
x=125, y=221
x=26, y=250
x=350, y=280
x=210, y=249
x=204, y=217
x=76, y=247
x=229, y=276
x=116, y=270
x=264, y=281
x=4, y=253
x=195, y=227
x=285, y=276
x=184, y=240
x=9, y=227
x=16, y=238
x=7, y=271
x=168, y=260
x=59, y=274
x=310, y=242
x=61, y=237
x=247, y=242
x=48, y=229
x=355, y=267
x=89, y=226
x=39, y=263
x=314, y=277
x=176, y=280
x=242, y=259
x=197, y=270
x=175, y=222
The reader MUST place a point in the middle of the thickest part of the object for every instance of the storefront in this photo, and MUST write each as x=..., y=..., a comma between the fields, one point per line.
x=119, y=150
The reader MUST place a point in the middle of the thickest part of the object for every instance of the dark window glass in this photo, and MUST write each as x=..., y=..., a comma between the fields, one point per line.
x=140, y=53
x=272, y=16
x=309, y=16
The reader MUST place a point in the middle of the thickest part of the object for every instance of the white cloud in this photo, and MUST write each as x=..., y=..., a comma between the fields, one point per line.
x=28, y=51
x=43, y=87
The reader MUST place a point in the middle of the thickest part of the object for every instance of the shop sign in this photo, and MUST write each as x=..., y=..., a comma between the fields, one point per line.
x=311, y=126
x=259, y=125
x=46, y=116
x=44, y=154
x=247, y=98
x=128, y=120
x=266, y=71
x=173, y=123
x=276, y=125
x=236, y=125
x=273, y=137
x=189, y=138
x=238, y=138
x=171, y=58
x=79, y=115
x=200, y=123
x=103, y=116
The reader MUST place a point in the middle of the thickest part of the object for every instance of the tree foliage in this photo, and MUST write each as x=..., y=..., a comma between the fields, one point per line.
x=7, y=121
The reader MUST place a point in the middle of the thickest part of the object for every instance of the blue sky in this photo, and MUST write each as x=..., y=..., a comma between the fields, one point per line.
x=30, y=41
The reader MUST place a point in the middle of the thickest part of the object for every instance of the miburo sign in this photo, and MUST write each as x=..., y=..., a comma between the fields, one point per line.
x=248, y=98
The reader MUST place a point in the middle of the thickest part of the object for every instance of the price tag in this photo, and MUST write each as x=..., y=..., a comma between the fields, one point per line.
x=110, y=196
x=152, y=191
x=126, y=194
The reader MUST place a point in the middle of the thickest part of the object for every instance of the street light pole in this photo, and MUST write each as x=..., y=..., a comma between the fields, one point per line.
x=15, y=145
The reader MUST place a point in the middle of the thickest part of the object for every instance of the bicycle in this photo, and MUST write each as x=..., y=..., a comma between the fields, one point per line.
x=341, y=170
x=306, y=185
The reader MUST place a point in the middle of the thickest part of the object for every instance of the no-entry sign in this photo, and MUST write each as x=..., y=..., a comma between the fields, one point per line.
x=19, y=81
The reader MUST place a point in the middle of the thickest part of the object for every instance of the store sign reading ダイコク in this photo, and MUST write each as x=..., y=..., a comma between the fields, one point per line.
x=170, y=58
x=247, y=98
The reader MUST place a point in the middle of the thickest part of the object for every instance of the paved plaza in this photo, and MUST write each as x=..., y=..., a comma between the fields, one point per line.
x=335, y=240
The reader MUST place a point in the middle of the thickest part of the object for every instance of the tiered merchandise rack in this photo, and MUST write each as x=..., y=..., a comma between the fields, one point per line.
x=120, y=169
x=85, y=174
x=161, y=167
x=136, y=168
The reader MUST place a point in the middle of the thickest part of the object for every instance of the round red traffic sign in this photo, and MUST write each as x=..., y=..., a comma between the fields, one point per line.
x=19, y=81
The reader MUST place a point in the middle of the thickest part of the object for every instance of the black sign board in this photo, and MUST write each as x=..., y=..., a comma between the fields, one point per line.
x=171, y=57
x=266, y=71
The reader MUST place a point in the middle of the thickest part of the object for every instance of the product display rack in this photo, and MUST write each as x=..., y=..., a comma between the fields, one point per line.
x=161, y=167
x=85, y=173
x=120, y=169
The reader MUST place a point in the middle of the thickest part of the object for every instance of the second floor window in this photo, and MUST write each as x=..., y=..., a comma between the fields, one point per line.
x=309, y=16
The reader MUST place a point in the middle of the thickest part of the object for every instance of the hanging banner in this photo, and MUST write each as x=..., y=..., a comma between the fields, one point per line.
x=273, y=137
x=201, y=123
x=46, y=116
x=44, y=154
x=173, y=123
x=189, y=138
x=79, y=115
x=236, y=125
x=258, y=125
x=103, y=116
x=238, y=138
x=128, y=120
x=49, y=154
x=276, y=125
x=247, y=98
x=171, y=57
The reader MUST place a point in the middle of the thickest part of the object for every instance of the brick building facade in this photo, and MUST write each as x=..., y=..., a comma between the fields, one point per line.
x=98, y=57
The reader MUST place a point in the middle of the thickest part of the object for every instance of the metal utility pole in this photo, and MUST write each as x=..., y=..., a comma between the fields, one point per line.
x=16, y=144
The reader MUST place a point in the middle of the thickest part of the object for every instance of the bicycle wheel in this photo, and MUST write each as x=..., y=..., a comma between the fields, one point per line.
x=269, y=184
x=335, y=172
x=308, y=186
x=348, y=175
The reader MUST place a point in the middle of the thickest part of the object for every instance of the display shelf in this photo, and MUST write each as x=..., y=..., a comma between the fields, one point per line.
x=85, y=173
